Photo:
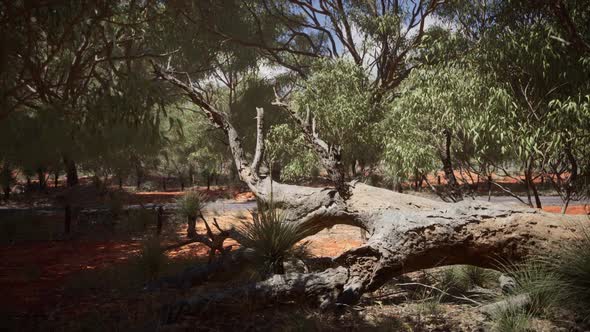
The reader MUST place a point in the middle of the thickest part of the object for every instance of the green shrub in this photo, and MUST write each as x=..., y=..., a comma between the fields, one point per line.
x=271, y=237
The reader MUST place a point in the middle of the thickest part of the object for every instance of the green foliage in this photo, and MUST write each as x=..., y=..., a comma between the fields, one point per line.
x=272, y=238
x=452, y=97
x=191, y=204
x=338, y=94
x=286, y=148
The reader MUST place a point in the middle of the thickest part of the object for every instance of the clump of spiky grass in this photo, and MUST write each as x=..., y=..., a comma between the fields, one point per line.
x=272, y=239
x=561, y=280
x=511, y=319
x=151, y=260
x=571, y=268
x=190, y=207
x=191, y=204
x=460, y=279
x=430, y=302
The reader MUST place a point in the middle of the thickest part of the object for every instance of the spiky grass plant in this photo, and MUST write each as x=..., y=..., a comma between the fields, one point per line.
x=511, y=319
x=190, y=207
x=151, y=259
x=571, y=269
x=460, y=279
x=272, y=239
x=561, y=280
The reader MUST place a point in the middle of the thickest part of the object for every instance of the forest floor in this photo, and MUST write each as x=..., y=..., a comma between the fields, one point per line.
x=89, y=279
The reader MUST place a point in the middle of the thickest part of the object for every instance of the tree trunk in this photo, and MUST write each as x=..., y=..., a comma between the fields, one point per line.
x=528, y=175
x=454, y=190
x=71, y=172
x=55, y=179
x=138, y=176
x=191, y=230
x=191, y=176
x=41, y=177
x=489, y=188
x=120, y=182
x=405, y=234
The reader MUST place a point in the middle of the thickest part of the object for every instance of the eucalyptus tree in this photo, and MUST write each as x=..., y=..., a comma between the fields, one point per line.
x=532, y=53
x=58, y=53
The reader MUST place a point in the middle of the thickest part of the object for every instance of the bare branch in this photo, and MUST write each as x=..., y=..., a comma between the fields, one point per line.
x=259, y=153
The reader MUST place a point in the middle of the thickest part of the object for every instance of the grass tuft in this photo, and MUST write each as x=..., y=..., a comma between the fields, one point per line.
x=272, y=238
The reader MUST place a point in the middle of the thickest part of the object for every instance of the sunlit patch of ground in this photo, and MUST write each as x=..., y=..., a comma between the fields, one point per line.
x=573, y=209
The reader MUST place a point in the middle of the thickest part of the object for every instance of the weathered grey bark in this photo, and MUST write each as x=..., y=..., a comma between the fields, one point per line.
x=405, y=233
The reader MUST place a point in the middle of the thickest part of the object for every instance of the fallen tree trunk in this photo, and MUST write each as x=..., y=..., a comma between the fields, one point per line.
x=405, y=233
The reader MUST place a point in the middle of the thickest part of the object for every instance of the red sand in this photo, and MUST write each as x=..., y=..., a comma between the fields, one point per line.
x=572, y=209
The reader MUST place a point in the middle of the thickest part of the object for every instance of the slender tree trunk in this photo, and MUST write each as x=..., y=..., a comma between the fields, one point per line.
x=138, y=176
x=55, y=179
x=28, y=182
x=41, y=177
x=191, y=176
x=536, y=193
x=565, y=205
x=120, y=182
x=208, y=182
x=455, y=191
x=181, y=184
x=489, y=187
x=528, y=176
x=71, y=172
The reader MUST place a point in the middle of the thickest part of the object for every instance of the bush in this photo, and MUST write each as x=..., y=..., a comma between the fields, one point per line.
x=272, y=239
